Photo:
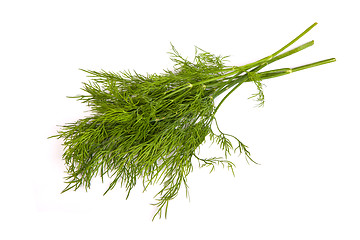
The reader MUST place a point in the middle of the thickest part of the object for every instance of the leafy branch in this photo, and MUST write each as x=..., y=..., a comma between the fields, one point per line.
x=147, y=127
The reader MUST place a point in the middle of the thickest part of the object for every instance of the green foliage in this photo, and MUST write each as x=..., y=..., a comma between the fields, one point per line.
x=147, y=127
x=259, y=85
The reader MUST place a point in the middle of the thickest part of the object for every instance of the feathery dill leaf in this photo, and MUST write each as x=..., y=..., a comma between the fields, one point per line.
x=147, y=127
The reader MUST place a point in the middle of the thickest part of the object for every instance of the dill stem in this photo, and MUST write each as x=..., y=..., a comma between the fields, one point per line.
x=258, y=64
x=258, y=68
x=228, y=94
x=283, y=55
x=284, y=71
x=278, y=57
x=295, y=39
x=330, y=60
x=237, y=70
x=271, y=74
x=290, y=52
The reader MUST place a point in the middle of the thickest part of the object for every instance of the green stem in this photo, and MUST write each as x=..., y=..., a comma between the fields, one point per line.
x=294, y=40
x=236, y=71
x=290, y=52
x=271, y=74
x=285, y=54
x=288, y=45
x=258, y=68
x=284, y=71
x=258, y=64
x=244, y=77
x=330, y=60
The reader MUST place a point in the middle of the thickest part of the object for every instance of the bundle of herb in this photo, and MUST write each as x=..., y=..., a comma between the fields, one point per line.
x=148, y=127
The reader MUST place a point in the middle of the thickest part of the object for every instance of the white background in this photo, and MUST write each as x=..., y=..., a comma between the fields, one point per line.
x=306, y=137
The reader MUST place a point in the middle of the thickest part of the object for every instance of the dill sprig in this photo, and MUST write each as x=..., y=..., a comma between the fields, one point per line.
x=147, y=128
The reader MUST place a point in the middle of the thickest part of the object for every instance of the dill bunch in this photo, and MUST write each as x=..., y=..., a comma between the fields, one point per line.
x=147, y=127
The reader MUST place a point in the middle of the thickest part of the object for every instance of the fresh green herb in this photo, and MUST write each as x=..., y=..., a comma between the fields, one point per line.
x=147, y=127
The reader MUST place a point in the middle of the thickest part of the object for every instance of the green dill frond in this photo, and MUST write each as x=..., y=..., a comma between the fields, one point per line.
x=254, y=77
x=147, y=128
